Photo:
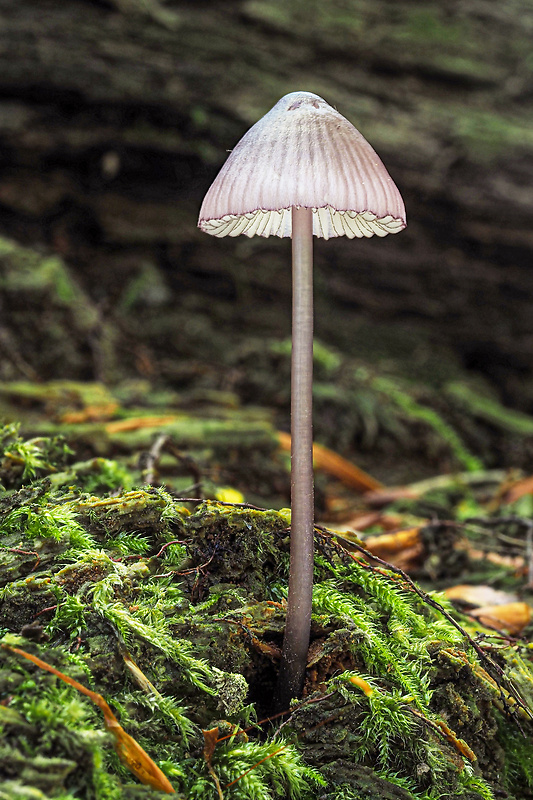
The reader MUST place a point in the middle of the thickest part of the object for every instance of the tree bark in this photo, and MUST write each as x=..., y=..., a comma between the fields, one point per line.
x=114, y=117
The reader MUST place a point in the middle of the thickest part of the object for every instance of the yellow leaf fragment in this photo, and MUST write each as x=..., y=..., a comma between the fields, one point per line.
x=459, y=744
x=510, y=618
x=210, y=742
x=333, y=464
x=228, y=495
x=361, y=684
x=387, y=544
x=128, y=750
x=479, y=595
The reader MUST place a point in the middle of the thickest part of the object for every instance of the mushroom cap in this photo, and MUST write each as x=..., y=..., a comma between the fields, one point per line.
x=303, y=153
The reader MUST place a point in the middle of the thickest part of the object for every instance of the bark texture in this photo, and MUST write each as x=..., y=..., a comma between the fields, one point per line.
x=115, y=116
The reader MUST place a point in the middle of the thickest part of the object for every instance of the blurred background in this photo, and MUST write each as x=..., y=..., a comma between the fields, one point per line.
x=115, y=116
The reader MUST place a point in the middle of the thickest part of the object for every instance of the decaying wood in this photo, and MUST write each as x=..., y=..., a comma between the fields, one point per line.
x=114, y=118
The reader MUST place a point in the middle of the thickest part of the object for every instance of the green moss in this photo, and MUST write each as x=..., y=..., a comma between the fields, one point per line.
x=22, y=460
x=337, y=17
x=489, y=409
x=429, y=26
x=488, y=136
x=431, y=418
x=518, y=763
x=30, y=272
x=195, y=595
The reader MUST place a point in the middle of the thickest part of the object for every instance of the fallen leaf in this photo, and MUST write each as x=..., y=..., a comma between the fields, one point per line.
x=333, y=464
x=403, y=549
x=128, y=750
x=515, y=562
x=511, y=618
x=369, y=519
x=363, y=521
x=94, y=413
x=210, y=742
x=479, y=595
x=387, y=544
x=385, y=496
x=138, y=423
x=518, y=490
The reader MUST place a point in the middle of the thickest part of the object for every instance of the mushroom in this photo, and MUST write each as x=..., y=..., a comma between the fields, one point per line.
x=302, y=170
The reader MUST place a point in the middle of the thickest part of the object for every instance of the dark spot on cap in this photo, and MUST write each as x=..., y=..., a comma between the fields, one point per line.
x=301, y=101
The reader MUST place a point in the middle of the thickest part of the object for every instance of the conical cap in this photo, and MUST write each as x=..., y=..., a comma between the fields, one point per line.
x=303, y=153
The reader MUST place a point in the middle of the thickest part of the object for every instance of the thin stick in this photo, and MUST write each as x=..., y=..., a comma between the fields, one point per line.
x=153, y=458
x=296, y=639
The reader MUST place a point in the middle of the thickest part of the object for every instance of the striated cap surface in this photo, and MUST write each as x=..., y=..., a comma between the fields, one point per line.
x=303, y=153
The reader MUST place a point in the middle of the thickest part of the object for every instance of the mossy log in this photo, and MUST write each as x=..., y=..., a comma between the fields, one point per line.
x=174, y=611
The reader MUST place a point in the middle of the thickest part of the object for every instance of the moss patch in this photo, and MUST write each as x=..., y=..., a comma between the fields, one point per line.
x=398, y=703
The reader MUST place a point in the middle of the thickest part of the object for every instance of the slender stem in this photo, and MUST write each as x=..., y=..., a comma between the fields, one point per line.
x=296, y=639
